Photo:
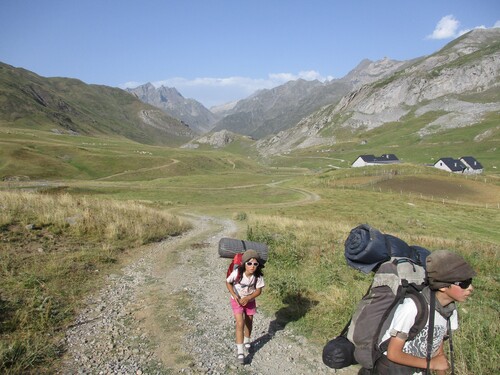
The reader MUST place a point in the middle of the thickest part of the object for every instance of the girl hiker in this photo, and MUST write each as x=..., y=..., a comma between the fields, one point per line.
x=450, y=280
x=245, y=284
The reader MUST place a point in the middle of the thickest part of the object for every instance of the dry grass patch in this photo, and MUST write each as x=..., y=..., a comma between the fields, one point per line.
x=54, y=249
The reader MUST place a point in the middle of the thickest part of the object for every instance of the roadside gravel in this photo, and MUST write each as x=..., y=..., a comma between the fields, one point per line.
x=168, y=312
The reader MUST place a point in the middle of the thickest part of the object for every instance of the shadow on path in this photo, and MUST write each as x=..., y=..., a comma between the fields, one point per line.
x=297, y=307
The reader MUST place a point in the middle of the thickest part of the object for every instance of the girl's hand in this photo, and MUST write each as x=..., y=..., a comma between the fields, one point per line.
x=243, y=301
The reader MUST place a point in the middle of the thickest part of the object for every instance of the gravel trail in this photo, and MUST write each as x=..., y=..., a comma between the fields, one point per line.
x=168, y=312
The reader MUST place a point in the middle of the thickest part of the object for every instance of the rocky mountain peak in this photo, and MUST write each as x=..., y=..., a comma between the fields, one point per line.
x=169, y=100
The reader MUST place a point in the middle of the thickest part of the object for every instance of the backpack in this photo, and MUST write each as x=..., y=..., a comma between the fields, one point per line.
x=395, y=278
x=236, y=263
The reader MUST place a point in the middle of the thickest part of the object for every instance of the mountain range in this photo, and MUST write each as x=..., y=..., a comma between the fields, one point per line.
x=458, y=86
x=455, y=87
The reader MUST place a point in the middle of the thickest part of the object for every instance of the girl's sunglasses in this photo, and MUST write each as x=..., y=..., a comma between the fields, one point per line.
x=463, y=284
x=252, y=264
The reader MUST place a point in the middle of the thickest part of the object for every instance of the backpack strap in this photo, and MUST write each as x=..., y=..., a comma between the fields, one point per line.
x=430, y=333
x=409, y=291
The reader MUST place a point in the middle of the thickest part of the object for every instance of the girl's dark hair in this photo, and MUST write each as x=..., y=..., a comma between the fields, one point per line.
x=258, y=273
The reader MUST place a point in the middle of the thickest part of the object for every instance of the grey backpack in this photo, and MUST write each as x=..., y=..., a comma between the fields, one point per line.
x=394, y=280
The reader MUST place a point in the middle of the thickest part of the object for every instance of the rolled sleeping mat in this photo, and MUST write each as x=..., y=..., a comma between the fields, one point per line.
x=229, y=247
x=365, y=248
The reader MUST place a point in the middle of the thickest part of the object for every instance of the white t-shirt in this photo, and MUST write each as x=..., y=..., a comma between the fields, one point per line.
x=403, y=320
x=246, y=285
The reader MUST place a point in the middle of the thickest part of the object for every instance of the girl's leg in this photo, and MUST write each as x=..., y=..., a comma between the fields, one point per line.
x=248, y=325
x=240, y=325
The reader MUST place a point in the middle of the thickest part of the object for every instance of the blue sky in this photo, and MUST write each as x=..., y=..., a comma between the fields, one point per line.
x=216, y=51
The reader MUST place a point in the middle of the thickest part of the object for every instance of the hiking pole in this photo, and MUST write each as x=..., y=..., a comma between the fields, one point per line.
x=452, y=361
x=430, y=333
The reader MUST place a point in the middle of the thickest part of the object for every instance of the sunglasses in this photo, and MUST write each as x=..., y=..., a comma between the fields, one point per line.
x=252, y=264
x=463, y=284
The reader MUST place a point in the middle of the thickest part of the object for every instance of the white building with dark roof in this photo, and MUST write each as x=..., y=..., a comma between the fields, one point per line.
x=450, y=165
x=365, y=160
x=472, y=165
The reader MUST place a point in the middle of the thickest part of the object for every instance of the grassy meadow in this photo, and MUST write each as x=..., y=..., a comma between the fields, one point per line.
x=75, y=208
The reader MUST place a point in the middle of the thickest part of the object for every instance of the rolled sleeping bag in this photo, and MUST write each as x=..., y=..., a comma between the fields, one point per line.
x=420, y=254
x=365, y=248
x=229, y=247
x=397, y=247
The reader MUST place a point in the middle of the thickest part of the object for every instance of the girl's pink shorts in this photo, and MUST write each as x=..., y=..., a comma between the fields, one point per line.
x=249, y=309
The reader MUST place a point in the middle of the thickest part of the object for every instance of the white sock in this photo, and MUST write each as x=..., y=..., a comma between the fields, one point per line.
x=239, y=347
x=246, y=340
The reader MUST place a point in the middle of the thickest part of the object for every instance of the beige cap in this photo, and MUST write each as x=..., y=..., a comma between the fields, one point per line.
x=445, y=267
x=249, y=254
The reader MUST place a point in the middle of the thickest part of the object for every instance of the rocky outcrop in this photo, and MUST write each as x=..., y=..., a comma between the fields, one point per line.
x=218, y=139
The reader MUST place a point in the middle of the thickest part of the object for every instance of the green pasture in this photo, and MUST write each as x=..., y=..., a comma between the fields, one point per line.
x=402, y=139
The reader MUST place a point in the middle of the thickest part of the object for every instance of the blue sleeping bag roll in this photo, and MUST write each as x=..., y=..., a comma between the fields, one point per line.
x=365, y=248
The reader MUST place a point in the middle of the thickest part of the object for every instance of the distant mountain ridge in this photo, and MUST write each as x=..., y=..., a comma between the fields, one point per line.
x=462, y=81
x=271, y=111
x=190, y=111
x=71, y=106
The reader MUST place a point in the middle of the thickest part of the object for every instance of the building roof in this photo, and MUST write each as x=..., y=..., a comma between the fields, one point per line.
x=453, y=165
x=471, y=162
x=381, y=159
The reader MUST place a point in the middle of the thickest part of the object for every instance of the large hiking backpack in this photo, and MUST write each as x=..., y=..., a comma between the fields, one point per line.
x=399, y=274
x=395, y=280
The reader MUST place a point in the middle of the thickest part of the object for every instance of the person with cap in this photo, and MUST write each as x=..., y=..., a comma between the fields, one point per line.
x=245, y=284
x=449, y=278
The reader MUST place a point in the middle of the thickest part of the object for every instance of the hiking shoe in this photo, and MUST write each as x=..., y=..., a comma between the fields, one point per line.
x=241, y=359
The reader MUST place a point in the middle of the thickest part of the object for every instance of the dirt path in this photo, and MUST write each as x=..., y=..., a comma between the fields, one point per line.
x=168, y=312
x=134, y=171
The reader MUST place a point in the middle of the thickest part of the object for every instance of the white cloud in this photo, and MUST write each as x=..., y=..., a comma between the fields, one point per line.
x=214, y=91
x=446, y=28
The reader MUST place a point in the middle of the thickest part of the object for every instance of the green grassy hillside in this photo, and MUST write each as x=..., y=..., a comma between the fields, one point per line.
x=481, y=141
x=70, y=106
